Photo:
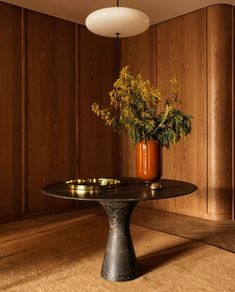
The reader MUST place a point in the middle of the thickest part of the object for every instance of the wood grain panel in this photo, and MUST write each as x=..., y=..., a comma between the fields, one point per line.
x=10, y=110
x=220, y=111
x=140, y=54
x=233, y=52
x=51, y=106
x=98, y=146
x=181, y=52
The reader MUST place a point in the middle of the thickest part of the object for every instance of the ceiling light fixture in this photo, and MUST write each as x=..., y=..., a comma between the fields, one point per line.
x=117, y=21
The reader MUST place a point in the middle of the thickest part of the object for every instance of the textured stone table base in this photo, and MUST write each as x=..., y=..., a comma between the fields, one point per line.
x=119, y=262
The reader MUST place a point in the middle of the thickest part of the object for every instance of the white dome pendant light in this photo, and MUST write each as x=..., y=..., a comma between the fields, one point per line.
x=121, y=21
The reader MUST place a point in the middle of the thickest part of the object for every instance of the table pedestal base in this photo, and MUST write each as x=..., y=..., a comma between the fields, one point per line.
x=119, y=262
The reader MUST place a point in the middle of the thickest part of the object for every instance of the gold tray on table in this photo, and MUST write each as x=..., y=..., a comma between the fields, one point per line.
x=92, y=184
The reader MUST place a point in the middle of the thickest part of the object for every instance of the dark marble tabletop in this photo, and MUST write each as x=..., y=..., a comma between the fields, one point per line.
x=128, y=190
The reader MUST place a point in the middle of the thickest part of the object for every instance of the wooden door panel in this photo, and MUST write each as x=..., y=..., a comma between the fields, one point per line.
x=10, y=111
x=181, y=52
x=51, y=106
x=98, y=144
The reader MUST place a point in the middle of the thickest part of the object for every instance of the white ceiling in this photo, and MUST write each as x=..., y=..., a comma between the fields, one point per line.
x=77, y=10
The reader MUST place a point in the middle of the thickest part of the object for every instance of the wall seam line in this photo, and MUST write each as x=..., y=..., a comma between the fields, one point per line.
x=77, y=99
x=76, y=96
x=207, y=115
x=23, y=112
x=233, y=109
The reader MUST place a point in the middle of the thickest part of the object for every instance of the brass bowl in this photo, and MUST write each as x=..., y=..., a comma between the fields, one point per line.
x=92, y=184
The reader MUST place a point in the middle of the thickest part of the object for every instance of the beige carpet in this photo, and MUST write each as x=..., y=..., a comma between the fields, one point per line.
x=46, y=255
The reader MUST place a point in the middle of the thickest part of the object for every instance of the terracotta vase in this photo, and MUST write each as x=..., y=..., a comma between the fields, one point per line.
x=148, y=161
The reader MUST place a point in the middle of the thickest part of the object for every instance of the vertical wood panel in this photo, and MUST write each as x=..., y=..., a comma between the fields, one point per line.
x=181, y=52
x=220, y=111
x=140, y=54
x=98, y=147
x=23, y=107
x=233, y=56
x=51, y=110
x=10, y=110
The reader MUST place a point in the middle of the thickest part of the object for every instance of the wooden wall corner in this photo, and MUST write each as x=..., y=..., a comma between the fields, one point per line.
x=220, y=113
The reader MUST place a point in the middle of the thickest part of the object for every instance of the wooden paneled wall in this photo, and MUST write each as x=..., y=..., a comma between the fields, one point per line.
x=181, y=52
x=50, y=106
x=10, y=111
x=140, y=54
x=197, y=49
x=220, y=110
x=98, y=155
x=51, y=72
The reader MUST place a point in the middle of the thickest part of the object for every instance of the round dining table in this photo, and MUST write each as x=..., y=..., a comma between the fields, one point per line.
x=120, y=263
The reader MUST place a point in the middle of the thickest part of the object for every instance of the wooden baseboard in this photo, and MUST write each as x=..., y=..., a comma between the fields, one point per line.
x=46, y=212
x=152, y=218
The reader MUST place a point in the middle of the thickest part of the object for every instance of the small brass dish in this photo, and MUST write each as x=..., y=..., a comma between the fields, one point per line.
x=92, y=184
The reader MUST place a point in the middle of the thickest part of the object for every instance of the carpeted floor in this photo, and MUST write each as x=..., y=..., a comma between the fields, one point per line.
x=46, y=255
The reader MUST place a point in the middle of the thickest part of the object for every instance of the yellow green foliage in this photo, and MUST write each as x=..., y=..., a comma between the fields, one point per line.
x=137, y=108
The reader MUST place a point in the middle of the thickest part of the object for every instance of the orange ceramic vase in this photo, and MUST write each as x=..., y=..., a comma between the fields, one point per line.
x=148, y=160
